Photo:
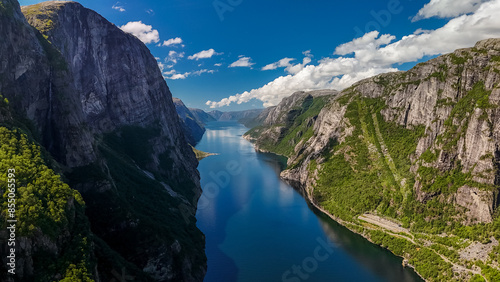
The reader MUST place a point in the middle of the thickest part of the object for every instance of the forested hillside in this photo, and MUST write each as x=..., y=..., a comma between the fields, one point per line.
x=408, y=159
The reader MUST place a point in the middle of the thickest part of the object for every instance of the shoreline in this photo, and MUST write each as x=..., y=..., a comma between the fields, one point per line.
x=343, y=223
x=309, y=200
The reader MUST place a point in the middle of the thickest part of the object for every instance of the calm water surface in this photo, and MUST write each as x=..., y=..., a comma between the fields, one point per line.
x=258, y=228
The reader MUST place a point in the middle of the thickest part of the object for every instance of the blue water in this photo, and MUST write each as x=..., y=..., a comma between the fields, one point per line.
x=258, y=228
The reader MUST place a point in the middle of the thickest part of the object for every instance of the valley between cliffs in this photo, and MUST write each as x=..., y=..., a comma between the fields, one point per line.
x=409, y=160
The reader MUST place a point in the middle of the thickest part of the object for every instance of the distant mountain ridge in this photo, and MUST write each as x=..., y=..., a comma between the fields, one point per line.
x=193, y=120
x=201, y=116
x=235, y=115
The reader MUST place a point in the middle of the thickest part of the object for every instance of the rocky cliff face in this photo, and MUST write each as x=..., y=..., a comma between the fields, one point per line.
x=289, y=106
x=288, y=125
x=418, y=147
x=32, y=83
x=115, y=75
x=96, y=100
x=193, y=128
x=454, y=98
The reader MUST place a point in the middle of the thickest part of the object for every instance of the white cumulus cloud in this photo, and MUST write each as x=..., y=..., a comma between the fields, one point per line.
x=173, y=57
x=173, y=74
x=178, y=76
x=242, y=62
x=172, y=41
x=289, y=67
x=374, y=54
x=448, y=8
x=285, y=62
x=118, y=7
x=205, y=54
x=144, y=32
x=199, y=72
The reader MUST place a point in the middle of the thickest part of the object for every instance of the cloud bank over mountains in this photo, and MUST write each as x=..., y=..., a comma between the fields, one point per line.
x=376, y=53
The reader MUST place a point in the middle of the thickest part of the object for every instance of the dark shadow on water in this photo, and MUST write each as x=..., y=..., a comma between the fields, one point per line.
x=277, y=162
x=372, y=256
x=355, y=257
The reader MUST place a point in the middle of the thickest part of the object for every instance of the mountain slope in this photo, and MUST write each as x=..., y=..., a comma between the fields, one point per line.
x=201, y=116
x=193, y=128
x=284, y=128
x=50, y=221
x=417, y=148
x=94, y=98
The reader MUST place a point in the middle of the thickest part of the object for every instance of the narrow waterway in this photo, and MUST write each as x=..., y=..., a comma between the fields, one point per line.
x=258, y=228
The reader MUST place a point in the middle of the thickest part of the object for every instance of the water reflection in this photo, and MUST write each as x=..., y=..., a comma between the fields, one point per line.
x=257, y=227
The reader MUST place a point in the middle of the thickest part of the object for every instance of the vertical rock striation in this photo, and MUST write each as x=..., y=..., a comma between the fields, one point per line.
x=93, y=96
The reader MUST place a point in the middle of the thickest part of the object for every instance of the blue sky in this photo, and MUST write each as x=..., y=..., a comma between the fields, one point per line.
x=237, y=53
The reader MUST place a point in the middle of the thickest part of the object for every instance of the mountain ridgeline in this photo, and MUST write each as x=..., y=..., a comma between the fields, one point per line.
x=410, y=160
x=86, y=101
x=193, y=127
x=193, y=120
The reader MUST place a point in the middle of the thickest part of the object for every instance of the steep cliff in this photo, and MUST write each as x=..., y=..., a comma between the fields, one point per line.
x=416, y=148
x=201, y=116
x=193, y=128
x=94, y=97
x=45, y=234
x=32, y=76
x=284, y=128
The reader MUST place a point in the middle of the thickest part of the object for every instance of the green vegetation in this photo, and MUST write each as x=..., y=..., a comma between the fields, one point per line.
x=55, y=57
x=445, y=102
x=42, y=20
x=433, y=180
x=495, y=58
x=458, y=60
x=77, y=274
x=439, y=75
x=299, y=128
x=477, y=278
x=426, y=262
x=359, y=175
x=492, y=274
x=458, y=120
x=138, y=206
x=45, y=206
x=442, y=74
x=4, y=108
x=371, y=171
x=430, y=155
x=200, y=155
x=42, y=17
x=42, y=196
x=345, y=96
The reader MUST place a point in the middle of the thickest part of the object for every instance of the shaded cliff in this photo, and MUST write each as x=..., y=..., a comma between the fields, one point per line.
x=418, y=148
x=201, y=116
x=193, y=128
x=94, y=98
